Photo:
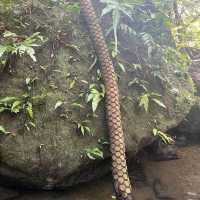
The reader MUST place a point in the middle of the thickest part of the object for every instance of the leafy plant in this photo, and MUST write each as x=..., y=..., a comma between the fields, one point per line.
x=84, y=128
x=3, y=131
x=148, y=41
x=16, y=105
x=19, y=45
x=146, y=98
x=117, y=9
x=94, y=153
x=179, y=60
x=77, y=105
x=58, y=104
x=69, y=7
x=95, y=95
x=21, y=104
x=103, y=141
x=139, y=83
x=167, y=139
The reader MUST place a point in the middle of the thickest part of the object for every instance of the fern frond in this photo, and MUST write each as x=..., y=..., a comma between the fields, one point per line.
x=126, y=29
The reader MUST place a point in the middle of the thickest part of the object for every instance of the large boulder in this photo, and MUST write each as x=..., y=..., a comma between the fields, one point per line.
x=51, y=153
x=190, y=126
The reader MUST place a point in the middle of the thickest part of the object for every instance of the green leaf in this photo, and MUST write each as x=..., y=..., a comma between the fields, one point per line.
x=77, y=105
x=8, y=100
x=31, y=52
x=89, y=98
x=144, y=102
x=122, y=67
x=116, y=19
x=106, y=10
x=32, y=124
x=72, y=84
x=3, y=50
x=167, y=139
x=2, y=109
x=158, y=102
x=16, y=107
x=94, y=153
x=82, y=130
x=155, y=132
x=29, y=109
x=2, y=130
x=28, y=81
x=58, y=104
x=95, y=103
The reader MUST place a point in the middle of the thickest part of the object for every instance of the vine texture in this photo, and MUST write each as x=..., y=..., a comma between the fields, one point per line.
x=119, y=166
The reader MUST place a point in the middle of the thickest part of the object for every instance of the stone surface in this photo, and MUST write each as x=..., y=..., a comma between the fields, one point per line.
x=8, y=194
x=52, y=155
x=190, y=126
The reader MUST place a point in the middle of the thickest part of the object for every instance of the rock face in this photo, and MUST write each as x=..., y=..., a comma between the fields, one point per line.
x=190, y=126
x=52, y=153
x=195, y=73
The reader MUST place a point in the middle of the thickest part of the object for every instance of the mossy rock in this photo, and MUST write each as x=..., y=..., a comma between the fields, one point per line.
x=52, y=155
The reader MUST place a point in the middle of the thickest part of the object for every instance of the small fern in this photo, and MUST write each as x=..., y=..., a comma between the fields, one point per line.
x=167, y=139
x=19, y=45
x=117, y=9
x=126, y=29
x=84, y=128
x=146, y=98
x=148, y=42
x=94, y=153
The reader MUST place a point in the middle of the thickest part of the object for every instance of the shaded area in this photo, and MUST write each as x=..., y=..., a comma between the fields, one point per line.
x=177, y=179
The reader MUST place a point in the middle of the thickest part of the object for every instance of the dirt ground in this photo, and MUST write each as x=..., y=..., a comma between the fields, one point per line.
x=167, y=180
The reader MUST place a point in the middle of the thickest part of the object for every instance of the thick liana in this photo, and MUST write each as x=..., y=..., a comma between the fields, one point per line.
x=119, y=166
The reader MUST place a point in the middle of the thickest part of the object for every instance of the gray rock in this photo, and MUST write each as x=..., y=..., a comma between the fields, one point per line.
x=190, y=126
x=52, y=155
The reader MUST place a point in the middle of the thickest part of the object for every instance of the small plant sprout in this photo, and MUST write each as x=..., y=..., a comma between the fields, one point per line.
x=94, y=153
x=29, y=82
x=58, y=104
x=20, y=45
x=84, y=128
x=3, y=131
x=95, y=95
x=139, y=83
x=16, y=105
x=117, y=9
x=167, y=139
x=146, y=98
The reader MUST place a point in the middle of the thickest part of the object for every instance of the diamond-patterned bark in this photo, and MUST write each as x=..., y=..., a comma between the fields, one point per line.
x=117, y=147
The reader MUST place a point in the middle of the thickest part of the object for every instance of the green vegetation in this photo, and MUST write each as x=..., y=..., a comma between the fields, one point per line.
x=14, y=44
x=95, y=95
x=129, y=18
x=3, y=131
x=94, y=153
x=70, y=125
x=167, y=139
x=146, y=98
x=84, y=128
x=21, y=105
x=183, y=27
x=154, y=54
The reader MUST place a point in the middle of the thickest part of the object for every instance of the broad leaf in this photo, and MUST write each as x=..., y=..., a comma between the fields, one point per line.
x=58, y=104
x=158, y=102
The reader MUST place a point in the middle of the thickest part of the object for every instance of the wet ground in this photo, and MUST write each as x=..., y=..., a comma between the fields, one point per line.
x=155, y=180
